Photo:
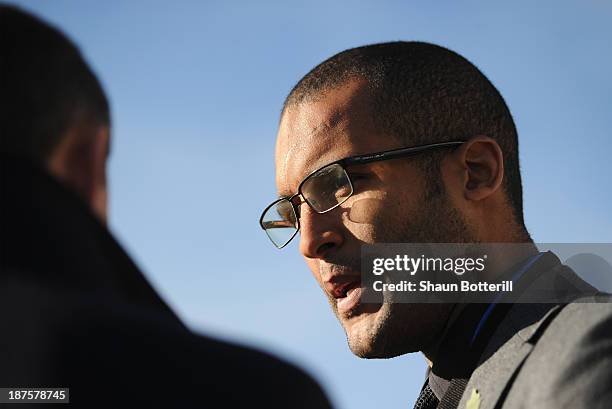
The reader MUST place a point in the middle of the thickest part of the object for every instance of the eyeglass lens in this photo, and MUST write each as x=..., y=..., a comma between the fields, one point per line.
x=323, y=190
x=327, y=188
x=280, y=222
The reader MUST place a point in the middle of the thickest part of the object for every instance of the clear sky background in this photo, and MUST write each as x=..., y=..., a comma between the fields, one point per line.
x=196, y=89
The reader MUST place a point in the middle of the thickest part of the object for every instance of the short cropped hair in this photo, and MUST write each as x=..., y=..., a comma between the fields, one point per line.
x=46, y=87
x=423, y=93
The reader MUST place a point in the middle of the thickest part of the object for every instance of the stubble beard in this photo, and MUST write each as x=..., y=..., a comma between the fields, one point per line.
x=400, y=328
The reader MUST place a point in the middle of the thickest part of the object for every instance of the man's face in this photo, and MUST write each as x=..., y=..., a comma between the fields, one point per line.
x=390, y=203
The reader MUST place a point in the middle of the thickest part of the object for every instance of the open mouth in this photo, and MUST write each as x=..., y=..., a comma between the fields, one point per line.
x=347, y=296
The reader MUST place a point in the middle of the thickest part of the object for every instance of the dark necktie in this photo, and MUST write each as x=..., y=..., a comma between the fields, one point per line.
x=427, y=399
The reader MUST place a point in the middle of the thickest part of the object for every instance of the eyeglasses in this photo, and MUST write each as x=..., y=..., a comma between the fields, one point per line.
x=325, y=189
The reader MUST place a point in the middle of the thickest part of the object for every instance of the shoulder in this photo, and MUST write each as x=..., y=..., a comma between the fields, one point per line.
x=139, y=355
x=581, y=322
x=571, y=362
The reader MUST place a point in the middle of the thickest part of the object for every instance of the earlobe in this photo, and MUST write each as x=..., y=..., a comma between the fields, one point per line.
x=483, y=161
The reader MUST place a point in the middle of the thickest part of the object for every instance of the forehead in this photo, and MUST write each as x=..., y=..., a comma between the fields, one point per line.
x=314, y=133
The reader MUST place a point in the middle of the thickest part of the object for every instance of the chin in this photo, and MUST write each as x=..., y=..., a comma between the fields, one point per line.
x=367, y=334
x=392, y=330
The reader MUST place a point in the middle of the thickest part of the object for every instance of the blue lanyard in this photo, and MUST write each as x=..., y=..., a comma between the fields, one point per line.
x=516, y=276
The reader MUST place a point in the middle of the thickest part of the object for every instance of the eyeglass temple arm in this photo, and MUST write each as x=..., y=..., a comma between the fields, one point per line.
x=396, y=153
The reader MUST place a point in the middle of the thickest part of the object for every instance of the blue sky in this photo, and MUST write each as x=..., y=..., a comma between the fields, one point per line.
x=196, y=89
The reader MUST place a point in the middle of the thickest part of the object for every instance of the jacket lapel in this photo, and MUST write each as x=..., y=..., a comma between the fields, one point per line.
x=493, y=373
x=517, y=334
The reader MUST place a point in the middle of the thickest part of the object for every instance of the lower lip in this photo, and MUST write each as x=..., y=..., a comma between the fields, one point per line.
x=349, y=302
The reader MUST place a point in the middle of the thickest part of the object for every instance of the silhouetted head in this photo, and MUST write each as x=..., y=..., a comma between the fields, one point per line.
x=54, y=112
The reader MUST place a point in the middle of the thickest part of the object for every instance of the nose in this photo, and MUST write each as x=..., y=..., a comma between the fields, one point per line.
x=319, y=233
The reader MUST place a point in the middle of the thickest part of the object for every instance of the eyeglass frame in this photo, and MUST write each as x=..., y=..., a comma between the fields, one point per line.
x=349, y=161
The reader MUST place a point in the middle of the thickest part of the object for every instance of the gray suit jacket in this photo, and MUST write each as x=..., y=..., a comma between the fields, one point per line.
x=548, y=356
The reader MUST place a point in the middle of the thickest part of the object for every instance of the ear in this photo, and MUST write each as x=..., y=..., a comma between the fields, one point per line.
x=80, y=163
x=482, y=162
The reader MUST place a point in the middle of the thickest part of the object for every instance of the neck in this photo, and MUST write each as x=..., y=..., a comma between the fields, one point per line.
x=500, y=258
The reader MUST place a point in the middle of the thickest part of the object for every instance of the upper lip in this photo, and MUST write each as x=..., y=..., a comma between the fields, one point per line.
x=339, y=285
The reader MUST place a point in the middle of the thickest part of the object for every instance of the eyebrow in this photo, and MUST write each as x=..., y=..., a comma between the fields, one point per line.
x=311, y=171
x=358, y=163
x=308, y=172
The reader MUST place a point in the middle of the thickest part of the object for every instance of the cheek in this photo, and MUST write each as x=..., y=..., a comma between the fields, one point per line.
x=368, y=218
x=366, y=211
x=377, y=219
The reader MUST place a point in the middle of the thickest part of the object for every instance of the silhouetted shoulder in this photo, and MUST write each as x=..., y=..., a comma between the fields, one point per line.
x=110, y=352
